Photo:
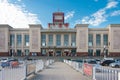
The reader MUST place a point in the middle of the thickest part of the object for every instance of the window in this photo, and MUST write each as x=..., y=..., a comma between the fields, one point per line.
x=98, y=51
x=105, y=39
x=19, y=40
x=43, y=52
x=66, y=40
x=26, y=40
x=73, y=40
x=58, y=40
x=19, y=52
x=90, y=40
x=90, y=52
x=50, y=39
x=12, y=40
x=98, y=40
x=43, y=40
x=26, y=51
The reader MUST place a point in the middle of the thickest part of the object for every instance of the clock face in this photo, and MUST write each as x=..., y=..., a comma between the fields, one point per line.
x=58, y=17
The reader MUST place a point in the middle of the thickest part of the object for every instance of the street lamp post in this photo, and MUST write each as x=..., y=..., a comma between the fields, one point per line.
x=104, y=51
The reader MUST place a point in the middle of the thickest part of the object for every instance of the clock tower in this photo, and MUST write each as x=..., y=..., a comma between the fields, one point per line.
x=58, y=21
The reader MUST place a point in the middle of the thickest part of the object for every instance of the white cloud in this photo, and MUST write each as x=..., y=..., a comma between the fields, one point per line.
x=69, y=15
x=115, y=13
x=96, y=18
x=100, y=16
x=111, y=4
x=16, y=15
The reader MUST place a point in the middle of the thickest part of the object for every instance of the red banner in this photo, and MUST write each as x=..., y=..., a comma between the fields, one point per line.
x=88, y=69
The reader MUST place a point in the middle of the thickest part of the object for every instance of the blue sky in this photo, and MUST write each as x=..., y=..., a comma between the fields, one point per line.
x=96, y=13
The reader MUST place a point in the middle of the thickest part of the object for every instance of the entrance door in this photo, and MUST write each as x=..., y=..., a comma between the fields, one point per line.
x=90, y=52
x=58, y=53
x=73, y=52
x=51, y=53
x=98, y=52
x=19, y=53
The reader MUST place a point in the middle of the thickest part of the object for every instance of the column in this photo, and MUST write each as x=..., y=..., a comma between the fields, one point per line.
x=94, y=44
x=102, y=45
x=15, y=47
x=102, y=40
x=46, y=39
x=69, y=39
x=23, y=41
x=54, y=39
x=62, y=39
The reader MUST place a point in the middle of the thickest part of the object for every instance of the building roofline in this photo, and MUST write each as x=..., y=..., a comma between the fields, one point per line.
x=5, y=25
x=81, y=25
x=36, y=25
x=114, y=25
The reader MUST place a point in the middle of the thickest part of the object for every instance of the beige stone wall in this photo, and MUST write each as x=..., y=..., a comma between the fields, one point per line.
x=4, y=38
x=35, y=38
x=82, y=37
x=114, y=40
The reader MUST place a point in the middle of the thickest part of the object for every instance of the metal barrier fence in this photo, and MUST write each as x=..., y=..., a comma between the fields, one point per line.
x=95, y=73
x=9, y=73
x=107, y=74
x=24, y=70
x=39, y=65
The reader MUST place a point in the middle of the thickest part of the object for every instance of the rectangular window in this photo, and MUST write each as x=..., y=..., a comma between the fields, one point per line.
x=12, y=40
x=58, y=40
x=26, y=40
x=26, y=51
x=43, y=52
x=66, y=40
x=43, y=39
x=90, y=40
x=19, y=40
x=98, y=52
x=105, y=39
x=98, y=40
x=19, y=52
x=90, y=52
x=73, y=40
x=50, y=40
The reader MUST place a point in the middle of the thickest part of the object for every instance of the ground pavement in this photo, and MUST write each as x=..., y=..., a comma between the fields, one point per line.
x=59, y=71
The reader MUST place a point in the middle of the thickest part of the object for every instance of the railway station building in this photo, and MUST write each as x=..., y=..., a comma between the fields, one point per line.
x=59, y=39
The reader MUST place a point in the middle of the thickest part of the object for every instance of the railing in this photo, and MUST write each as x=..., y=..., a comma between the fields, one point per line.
x=23, y=70
x=94, y=72
x=9, y=73
x=107, y=74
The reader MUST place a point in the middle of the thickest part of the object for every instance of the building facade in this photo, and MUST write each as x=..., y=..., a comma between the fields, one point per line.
x=60, y=40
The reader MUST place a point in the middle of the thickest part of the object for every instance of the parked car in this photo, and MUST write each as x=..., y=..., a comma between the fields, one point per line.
x=11, y=62
x=98, y=61
x=115, y=64
x=107, y=62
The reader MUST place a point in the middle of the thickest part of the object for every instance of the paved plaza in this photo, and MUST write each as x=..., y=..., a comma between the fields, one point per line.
x=59, y=71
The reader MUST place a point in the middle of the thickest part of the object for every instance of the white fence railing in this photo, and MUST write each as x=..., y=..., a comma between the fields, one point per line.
x=24, y=70
x=107, y=74
x=95, y=73
x=9, y=73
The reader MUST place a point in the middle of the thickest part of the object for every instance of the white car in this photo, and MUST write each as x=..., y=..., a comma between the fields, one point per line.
x=115, y=64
